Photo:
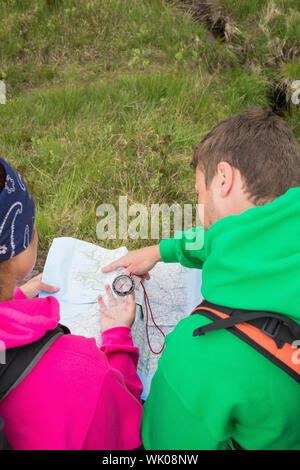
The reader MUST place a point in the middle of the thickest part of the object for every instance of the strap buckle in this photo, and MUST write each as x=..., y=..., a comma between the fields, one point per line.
x=271, y=327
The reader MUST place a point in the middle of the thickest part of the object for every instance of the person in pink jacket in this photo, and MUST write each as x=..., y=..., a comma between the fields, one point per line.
x=77, y=396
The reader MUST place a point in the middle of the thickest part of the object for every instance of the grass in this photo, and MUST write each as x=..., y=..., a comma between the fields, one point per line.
x=107, y=98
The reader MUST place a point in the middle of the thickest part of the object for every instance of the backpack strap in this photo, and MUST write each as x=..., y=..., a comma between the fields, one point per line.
x=22, y=359
x=4, y=444
x=269, y=333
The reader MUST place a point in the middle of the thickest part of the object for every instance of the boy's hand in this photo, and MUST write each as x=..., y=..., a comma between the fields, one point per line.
x=138, y=261
x=119, y=311
x=34, y=286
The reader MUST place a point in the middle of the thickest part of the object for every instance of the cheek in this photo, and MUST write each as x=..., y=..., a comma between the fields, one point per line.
x=201, y=208
x=209, y=211
x=202, y=193
x=200, y=198
x=26, y=267
x=32, y=256
x=25, y=262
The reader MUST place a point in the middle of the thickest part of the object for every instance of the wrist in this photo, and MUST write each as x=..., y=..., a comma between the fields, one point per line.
x=105, y=326
x=156, y=253
x=24, y=291
x=117, y=335
x=116, y=329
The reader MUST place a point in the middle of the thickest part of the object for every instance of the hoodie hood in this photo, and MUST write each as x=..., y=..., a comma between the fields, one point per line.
x=27, y=320
x=252, y=260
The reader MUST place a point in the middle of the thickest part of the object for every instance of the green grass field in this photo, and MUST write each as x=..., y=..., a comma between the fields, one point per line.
x=106, y=98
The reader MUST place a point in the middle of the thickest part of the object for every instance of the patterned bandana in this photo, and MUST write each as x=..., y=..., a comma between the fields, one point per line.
x=17, y=215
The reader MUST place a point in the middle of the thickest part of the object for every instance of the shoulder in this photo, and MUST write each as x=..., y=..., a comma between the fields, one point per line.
x=76, y=353
x=218, y=357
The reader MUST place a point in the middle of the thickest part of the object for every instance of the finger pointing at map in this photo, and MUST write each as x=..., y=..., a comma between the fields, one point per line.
x=138, y=261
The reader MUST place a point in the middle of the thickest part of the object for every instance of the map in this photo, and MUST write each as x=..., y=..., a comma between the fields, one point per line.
x=75, y=266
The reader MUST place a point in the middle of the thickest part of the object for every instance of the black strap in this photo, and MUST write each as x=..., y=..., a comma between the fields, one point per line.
x=279, y=327
x=21, y=360
x=235, y=446
x=4, y=444
x=278, y=334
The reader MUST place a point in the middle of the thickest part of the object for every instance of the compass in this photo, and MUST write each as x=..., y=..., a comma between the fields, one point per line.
x=123, y=285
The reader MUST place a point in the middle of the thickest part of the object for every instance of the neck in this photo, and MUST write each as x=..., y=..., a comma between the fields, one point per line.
x=244, y=205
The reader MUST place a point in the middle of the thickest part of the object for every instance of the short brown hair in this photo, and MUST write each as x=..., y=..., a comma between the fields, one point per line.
x=260, y=145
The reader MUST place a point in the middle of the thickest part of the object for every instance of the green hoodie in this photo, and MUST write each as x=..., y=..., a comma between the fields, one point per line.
x=215, y=387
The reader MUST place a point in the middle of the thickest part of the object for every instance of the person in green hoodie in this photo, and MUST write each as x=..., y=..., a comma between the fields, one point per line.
x=212, y=390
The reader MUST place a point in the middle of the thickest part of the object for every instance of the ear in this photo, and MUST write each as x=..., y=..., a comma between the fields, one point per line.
x=225, y=174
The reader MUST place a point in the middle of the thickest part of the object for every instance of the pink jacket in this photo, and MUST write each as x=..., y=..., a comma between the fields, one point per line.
x=77, y=396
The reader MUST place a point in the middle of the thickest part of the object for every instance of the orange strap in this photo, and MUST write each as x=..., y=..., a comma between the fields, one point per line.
x=287, y=355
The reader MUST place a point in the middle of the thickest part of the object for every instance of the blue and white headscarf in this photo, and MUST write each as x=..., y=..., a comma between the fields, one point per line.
x=17, y=215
